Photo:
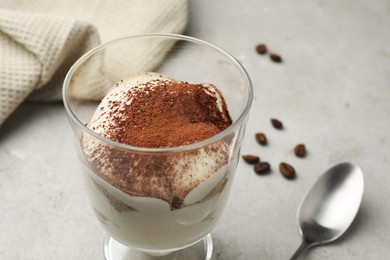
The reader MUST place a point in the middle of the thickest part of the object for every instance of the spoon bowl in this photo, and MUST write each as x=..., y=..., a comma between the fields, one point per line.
x=330, y=206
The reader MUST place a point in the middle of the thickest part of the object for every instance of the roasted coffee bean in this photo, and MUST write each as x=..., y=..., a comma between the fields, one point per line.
x=261, y=138
x=276, y=123
x=261, y=48
x=300, y=150
x=251, y=159
x=287, y=170
x=262, y=168
x=276, y=58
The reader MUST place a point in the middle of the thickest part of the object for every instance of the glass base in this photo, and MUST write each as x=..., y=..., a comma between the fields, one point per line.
x=202, y=250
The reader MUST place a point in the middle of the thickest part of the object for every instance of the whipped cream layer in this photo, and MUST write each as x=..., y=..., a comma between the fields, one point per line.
x=167, y=176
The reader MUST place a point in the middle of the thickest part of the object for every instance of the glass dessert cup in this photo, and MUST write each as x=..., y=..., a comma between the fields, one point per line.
x=144, y=226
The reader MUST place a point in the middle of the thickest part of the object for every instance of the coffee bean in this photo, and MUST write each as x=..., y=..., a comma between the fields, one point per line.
x=261, y=138
x=276, y=123
x=275, y=58
x=261, y=48
x=251, y=159
x=287, y=170
x=262, y=168
x=300, y=150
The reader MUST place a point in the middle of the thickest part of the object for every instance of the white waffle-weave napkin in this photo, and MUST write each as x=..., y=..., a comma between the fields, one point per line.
x=41, y=39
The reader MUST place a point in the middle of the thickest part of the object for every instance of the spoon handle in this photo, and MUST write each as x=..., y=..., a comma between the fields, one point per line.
x=301, y=249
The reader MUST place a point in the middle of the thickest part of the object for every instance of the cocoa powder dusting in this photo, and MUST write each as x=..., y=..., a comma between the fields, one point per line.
x=160, y=114
x=169, y=115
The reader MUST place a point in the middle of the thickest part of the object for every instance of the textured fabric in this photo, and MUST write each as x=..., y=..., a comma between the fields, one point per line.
x=41, y=39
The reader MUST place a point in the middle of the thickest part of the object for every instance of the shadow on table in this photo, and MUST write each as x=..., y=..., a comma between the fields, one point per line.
x=25, y=115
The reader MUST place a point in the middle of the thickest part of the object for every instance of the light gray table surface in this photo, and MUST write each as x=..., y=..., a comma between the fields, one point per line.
x=332, y=92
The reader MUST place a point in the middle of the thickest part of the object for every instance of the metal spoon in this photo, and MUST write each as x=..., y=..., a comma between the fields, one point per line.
x=330, y=206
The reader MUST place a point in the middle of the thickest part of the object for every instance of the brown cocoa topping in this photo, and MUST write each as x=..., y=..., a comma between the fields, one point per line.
x=172, y=114
x=167, y=114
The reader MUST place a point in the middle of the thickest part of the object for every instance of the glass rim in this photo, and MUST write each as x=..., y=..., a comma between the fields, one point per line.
x=182, y=148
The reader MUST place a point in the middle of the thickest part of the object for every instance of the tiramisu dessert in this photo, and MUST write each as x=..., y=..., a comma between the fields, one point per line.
x=159, y=200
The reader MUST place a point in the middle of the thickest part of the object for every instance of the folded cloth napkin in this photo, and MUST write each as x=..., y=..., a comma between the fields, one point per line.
x=40, y=39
